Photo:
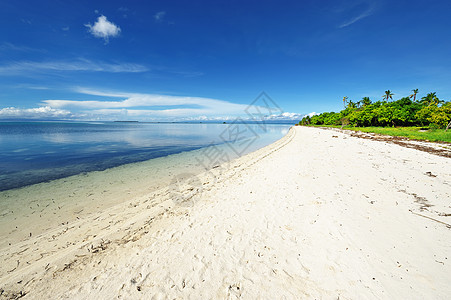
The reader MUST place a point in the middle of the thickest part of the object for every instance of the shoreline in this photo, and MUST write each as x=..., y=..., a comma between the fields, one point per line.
x=158, y=199
x=50, y=204
x=66, y=152
x=311, y=214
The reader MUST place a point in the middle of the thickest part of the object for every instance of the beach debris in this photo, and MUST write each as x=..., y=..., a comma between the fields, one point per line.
x=4, y=213
x=22, y=251
x=69, y=265
x=430, y=174
x=100, y=247
x=418, y=199
x=235, y=290
x=446, y=224
x=12, y=294
x=18, y=262
x=436, y=148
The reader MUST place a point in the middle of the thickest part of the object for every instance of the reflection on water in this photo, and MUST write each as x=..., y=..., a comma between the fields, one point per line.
x=32, y=152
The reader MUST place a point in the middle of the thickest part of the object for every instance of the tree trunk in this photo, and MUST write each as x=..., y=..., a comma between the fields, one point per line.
x=449, y=125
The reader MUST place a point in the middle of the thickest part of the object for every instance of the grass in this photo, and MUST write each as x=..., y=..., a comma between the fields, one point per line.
x=415, y=133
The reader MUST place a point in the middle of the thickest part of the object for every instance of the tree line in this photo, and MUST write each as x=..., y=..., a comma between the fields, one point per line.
x=408, y=111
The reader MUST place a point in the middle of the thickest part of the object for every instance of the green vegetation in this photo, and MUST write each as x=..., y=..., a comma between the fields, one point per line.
x=416, y=133
x=429, y=112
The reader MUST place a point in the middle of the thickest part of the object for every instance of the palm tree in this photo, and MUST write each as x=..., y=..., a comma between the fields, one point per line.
x=414, y=95
x=366, y=101
x=359, y=104
x=431, y=99
x=345, y=99
x=352, y=104
x=388, y=94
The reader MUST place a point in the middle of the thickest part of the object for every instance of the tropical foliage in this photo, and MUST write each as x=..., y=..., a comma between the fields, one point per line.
x=407, y=111
x=414, y=95
x=388, y=94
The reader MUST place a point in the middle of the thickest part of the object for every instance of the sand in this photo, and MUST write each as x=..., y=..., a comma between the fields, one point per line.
x=318, y=214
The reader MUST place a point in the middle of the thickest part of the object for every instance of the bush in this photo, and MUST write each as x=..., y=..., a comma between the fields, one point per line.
x=402, y=112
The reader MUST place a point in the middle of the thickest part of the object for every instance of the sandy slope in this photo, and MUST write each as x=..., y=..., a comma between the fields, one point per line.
x=318, y=214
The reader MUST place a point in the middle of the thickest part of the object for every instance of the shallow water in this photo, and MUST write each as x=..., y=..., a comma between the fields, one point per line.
x=34, y=152
x=97, y=166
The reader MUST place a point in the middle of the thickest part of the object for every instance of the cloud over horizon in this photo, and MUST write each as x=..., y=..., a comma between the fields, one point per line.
x=44, y=112
x=148, y=105
x=141, y=107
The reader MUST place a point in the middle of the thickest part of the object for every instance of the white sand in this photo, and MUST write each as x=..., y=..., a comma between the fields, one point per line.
x=49, y=204
x=310, y=216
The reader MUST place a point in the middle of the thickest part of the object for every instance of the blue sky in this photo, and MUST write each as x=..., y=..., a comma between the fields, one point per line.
x=179, y=60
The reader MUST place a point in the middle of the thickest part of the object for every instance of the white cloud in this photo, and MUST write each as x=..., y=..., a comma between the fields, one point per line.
x=45, y=112
x=356, y=10
x=175, y=113
x=76, y=65
x=189, y=105
x=159, y=16
x=104, y=29
x=286, y=116
x=364, y=14
x=141, y=107
x=153, y=106
x=11, y=47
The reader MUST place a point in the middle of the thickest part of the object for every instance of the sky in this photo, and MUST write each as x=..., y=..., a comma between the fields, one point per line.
x=212, y=60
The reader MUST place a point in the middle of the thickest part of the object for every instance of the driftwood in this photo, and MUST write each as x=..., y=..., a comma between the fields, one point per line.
x=446, y=224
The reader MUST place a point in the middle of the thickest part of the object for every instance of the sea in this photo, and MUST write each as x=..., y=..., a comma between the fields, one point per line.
x=58, y=173
x=35, y=152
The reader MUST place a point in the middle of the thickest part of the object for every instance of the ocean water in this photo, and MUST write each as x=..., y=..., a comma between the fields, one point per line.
x=35, y=152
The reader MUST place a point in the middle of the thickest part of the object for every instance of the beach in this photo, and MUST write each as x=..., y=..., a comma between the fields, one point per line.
x=317, y=214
